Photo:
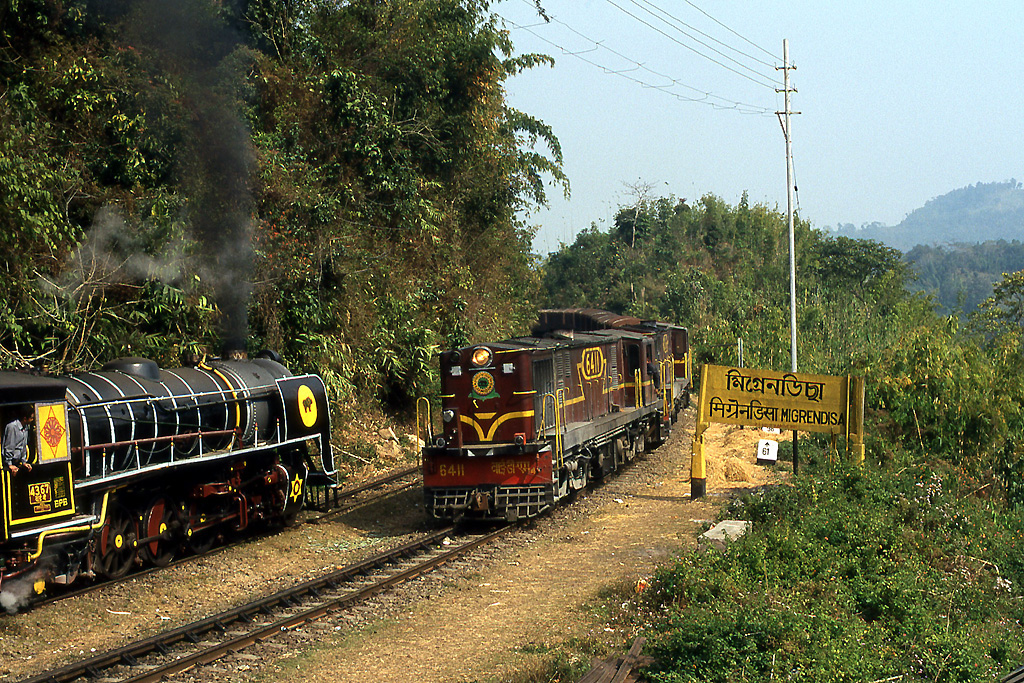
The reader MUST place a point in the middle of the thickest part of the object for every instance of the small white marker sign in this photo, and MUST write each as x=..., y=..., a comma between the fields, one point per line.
x=767, y=452
x=771, y=430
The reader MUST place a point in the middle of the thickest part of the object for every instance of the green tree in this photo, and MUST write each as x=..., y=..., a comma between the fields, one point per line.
x=1005, y=308
x=357, y=162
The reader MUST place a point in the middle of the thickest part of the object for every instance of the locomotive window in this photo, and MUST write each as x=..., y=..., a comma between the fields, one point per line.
x=679, y=340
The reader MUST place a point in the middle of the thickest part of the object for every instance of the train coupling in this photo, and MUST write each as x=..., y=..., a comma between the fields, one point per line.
x=481, y=501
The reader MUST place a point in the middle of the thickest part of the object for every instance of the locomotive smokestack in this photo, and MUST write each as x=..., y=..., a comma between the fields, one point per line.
x=234, y=349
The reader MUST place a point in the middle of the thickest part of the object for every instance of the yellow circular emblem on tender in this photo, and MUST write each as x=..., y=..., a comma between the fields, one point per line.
x=307, y=406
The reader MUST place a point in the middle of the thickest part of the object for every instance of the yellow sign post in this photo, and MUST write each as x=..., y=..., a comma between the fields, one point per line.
x=784, y=400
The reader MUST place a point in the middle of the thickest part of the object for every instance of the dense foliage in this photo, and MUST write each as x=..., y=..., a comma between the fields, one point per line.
x=961, y=276
x=849, y=576
x=339, y=181
x=905, y=570
x=724, y=272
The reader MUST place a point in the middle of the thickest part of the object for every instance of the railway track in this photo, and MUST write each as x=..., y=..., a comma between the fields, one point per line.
x=339, y=502
x=207, y=640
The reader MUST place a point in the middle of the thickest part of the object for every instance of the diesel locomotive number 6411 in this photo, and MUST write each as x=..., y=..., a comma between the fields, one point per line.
x=525, y=421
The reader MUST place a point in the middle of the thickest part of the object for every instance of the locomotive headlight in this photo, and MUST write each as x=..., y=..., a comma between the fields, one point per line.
x=481, y=356
x=448, y=415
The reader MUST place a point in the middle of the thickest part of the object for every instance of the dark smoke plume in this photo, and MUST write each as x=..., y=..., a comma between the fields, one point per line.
x=194, y=46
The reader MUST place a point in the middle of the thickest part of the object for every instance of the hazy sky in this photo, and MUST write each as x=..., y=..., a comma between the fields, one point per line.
x=900, y=102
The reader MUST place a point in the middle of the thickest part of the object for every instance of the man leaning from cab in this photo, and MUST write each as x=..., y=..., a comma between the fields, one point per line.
x=15, y=443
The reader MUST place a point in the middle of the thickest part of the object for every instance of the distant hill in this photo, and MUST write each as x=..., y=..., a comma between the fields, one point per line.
x=978, y=213
x=961, y=276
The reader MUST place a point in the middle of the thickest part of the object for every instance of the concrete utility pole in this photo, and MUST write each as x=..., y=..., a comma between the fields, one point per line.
x=784, y=119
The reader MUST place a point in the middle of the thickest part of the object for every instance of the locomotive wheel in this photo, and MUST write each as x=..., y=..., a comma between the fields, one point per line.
x=117, y=543
x=202, y=540
x=578, y=480
x=659, y=435
x=162, y=518
x=621, y=451
x=563, y=484
x=605, y=459
x=291, y=493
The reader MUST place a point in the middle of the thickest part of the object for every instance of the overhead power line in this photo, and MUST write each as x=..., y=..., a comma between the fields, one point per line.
x=767, y=82
x=705, y=96
x=744, y=39
x=697, y=30
x=674, y=81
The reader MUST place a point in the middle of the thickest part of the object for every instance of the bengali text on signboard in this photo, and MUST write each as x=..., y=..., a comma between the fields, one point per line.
x=784, y=400
x=777, y=400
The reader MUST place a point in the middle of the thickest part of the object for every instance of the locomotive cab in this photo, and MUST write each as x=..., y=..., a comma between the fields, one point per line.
x=44, y=495
x=37, y=503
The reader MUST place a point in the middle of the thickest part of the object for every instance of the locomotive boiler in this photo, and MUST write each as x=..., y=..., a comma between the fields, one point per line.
x=526, y=421
x=134, y=464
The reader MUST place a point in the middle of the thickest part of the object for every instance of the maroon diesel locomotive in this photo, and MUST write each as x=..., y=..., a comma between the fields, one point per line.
x=526, y=421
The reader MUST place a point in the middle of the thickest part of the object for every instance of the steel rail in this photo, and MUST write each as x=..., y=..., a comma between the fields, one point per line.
x=386, y=479
x=245, y=616
x=340, y=508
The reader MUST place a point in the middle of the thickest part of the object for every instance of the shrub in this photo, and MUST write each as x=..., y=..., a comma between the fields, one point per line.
x=848, y=576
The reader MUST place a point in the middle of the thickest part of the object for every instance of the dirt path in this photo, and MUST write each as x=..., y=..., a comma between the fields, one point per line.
x=510, y=614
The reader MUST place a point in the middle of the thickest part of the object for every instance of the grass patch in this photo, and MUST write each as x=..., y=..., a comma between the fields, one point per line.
x=562, y=662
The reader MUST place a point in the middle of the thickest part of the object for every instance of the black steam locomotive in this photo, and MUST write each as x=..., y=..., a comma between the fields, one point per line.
x=134, y=464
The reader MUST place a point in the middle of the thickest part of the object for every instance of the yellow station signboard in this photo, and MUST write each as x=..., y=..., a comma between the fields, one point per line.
x=784, y=400
x=763, y=398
